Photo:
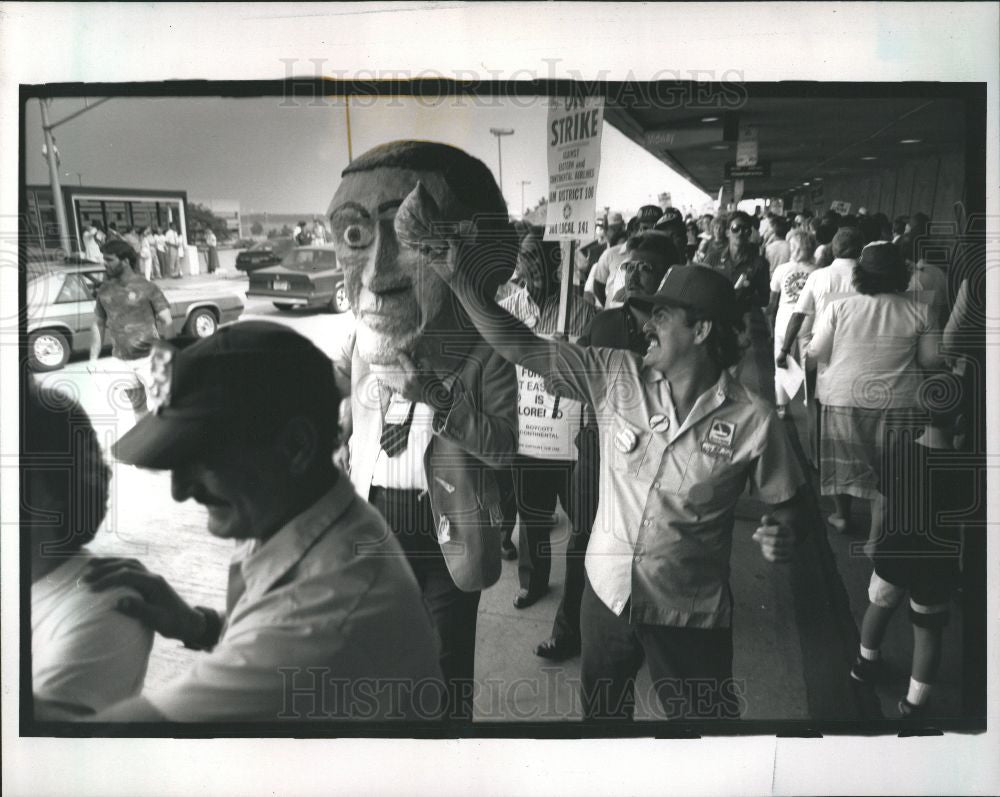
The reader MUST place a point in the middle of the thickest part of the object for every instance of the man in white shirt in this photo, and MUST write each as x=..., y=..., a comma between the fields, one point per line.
x=323, y=618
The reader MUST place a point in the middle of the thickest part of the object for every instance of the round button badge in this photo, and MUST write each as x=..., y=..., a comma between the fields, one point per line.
x=625, y=441
x=659, y=422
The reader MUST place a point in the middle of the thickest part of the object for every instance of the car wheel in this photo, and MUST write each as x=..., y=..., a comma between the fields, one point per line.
x=202, y=323
x=48, y=350
x=340, y=302
x=283, y=305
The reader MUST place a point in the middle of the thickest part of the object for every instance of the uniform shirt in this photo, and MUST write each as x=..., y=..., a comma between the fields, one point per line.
x=748, y=262
x=329, y=610
x=172, y=238
x=129, y=308
x=161, y=242
x=663, y=532
x=869, y=347
x=83, y=651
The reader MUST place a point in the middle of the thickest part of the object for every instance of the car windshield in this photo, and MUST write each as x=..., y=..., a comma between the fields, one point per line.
x=310, y=259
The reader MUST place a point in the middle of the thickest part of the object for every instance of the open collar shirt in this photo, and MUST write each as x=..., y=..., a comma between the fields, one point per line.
x=668, y=487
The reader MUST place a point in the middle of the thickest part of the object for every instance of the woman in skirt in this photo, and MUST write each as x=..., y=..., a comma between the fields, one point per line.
x=874, y=344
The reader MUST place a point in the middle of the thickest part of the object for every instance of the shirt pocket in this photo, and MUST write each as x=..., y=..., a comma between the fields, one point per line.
x=712, y=482
x=642, y=460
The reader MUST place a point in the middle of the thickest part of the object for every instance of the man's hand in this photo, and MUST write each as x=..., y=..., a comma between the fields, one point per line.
x=776, y=541
x=782, y=359
x=158, y=606
x=415, y=384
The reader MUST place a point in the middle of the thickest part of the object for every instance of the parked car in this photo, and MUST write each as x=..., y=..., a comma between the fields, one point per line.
x=264, y=254
x=309, y=276
x=61, y=310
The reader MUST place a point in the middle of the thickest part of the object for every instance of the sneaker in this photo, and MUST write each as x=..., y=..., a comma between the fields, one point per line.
x=867, y=671
x=908, y=709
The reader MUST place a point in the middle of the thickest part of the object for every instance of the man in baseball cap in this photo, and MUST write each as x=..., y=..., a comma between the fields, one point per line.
x=680, y=440
x=246, y=422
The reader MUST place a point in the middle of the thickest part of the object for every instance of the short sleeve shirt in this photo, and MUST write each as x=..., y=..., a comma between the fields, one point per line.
x=868, y=345
x=662, y=538
x=129, y=311
x=787, y=281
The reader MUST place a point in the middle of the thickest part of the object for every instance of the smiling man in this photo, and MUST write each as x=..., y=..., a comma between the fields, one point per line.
x=434, y=408
x=323, y=619
x=679, y=440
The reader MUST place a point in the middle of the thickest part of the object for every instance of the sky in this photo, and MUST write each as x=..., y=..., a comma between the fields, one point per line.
x=286, y=156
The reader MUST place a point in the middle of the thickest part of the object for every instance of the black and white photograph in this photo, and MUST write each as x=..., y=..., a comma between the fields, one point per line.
x=387, y=409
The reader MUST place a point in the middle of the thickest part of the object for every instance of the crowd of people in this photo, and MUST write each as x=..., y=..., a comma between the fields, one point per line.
x=460, y=408
x=160, y=250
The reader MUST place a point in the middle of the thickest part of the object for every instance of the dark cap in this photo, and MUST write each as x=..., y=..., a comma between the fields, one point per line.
x=238, y=384
x=648, y=214
x=698, y=287
x=881, y=257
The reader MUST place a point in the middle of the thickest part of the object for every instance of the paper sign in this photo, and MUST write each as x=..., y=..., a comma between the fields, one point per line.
x=574, y=155
x=843, y=208
x=746, y=146
x=546, y=425
x=791, y=377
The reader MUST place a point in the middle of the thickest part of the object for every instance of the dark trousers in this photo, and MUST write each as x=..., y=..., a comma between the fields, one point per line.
x=537, y=485
x=452, y=611
x=585, y=489
x=691, y=668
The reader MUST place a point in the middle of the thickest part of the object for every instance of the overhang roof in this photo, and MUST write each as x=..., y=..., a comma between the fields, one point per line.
x=802, y=133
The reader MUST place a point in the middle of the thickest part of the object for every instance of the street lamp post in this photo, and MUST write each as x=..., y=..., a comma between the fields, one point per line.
x=500, y=132
x=57, y=197
x=523, y=208
x=53, y=161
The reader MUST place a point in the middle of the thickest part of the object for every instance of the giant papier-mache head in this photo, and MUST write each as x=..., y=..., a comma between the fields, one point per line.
x=390, y=219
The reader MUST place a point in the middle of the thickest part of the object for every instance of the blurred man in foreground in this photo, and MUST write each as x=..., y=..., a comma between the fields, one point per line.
x=323, y=618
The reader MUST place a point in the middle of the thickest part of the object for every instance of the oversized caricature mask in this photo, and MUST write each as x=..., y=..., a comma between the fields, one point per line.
x=388, y=250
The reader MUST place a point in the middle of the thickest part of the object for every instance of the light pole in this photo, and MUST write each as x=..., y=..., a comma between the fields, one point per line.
x=53, y=161
x=500, y=132
x=523, y=184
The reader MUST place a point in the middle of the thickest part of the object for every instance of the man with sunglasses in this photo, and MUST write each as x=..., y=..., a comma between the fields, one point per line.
x=742, y=264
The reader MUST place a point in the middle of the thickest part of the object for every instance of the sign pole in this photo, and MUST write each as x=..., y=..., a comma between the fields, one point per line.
x=567, y=251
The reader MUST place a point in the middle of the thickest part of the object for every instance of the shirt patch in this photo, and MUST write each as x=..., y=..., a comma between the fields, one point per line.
x=722, y=433
x=717, y=451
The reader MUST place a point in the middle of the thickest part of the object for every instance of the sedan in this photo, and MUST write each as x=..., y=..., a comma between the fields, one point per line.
x=309, y=276
x=264, y=253
x=61, y=311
